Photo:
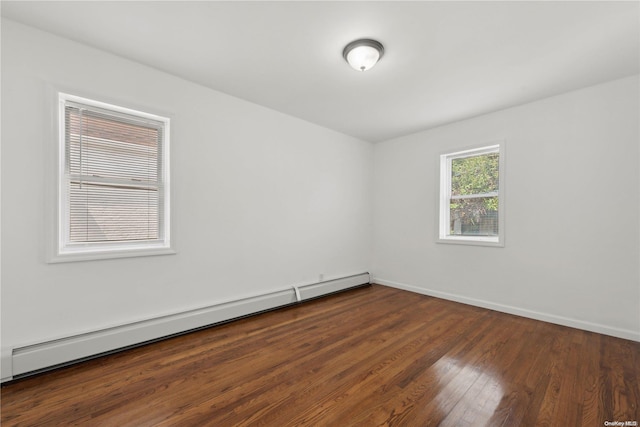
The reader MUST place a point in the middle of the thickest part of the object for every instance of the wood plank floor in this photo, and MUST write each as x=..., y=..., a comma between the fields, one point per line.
x=367, y=357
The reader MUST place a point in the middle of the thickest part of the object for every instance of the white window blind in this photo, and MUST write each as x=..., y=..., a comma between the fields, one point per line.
x=113, y=189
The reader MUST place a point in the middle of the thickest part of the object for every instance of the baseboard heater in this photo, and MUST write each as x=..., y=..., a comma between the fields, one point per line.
x=28, y=360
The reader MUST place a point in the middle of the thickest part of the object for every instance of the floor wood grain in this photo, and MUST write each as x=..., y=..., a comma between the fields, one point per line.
x=366, y=357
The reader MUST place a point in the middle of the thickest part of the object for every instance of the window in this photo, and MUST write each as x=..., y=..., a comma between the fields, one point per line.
x=113, y=182
x=471, y=196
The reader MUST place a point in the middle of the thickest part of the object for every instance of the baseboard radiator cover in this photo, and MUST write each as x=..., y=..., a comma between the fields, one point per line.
x=28, y=360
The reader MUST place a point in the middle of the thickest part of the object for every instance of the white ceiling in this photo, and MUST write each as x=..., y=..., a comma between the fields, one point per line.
x=444, y=61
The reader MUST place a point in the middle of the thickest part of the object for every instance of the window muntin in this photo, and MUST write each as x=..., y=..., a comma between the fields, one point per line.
x=471, y=199
x=113, y=193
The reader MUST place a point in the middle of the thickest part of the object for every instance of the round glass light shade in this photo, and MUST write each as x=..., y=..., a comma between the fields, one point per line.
x=362, y=55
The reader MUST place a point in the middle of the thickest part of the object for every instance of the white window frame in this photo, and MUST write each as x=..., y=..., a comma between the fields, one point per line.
x=61, y=250
x=444, y=235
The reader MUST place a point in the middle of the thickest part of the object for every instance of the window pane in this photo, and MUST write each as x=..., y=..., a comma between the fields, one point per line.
x=474, y=216
x=104, y=213
x=109, y=148
x=474, y=175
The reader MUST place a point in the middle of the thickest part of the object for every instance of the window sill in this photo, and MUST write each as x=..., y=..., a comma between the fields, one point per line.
x=472, y=241
x=90, y=255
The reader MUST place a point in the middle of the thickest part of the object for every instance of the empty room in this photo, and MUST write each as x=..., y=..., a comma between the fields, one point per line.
x=325, y=213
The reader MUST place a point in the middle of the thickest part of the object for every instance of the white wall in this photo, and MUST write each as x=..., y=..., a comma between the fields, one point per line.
x=261, y=200
x=572, y=212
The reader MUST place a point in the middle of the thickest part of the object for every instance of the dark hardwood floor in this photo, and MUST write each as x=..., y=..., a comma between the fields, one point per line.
x=368, y=357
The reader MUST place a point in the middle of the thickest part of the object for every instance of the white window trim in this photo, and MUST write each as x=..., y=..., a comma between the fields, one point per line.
x=445, y=195
x=59, y=249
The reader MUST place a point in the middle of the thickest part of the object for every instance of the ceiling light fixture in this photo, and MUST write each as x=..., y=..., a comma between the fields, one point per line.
x=363, y=54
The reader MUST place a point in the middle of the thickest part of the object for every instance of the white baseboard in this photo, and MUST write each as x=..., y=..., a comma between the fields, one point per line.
x=41, y=356
x=545, y=317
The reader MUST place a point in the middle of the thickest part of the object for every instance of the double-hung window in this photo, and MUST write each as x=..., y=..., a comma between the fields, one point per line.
x=113, y=182
x=471, y=196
